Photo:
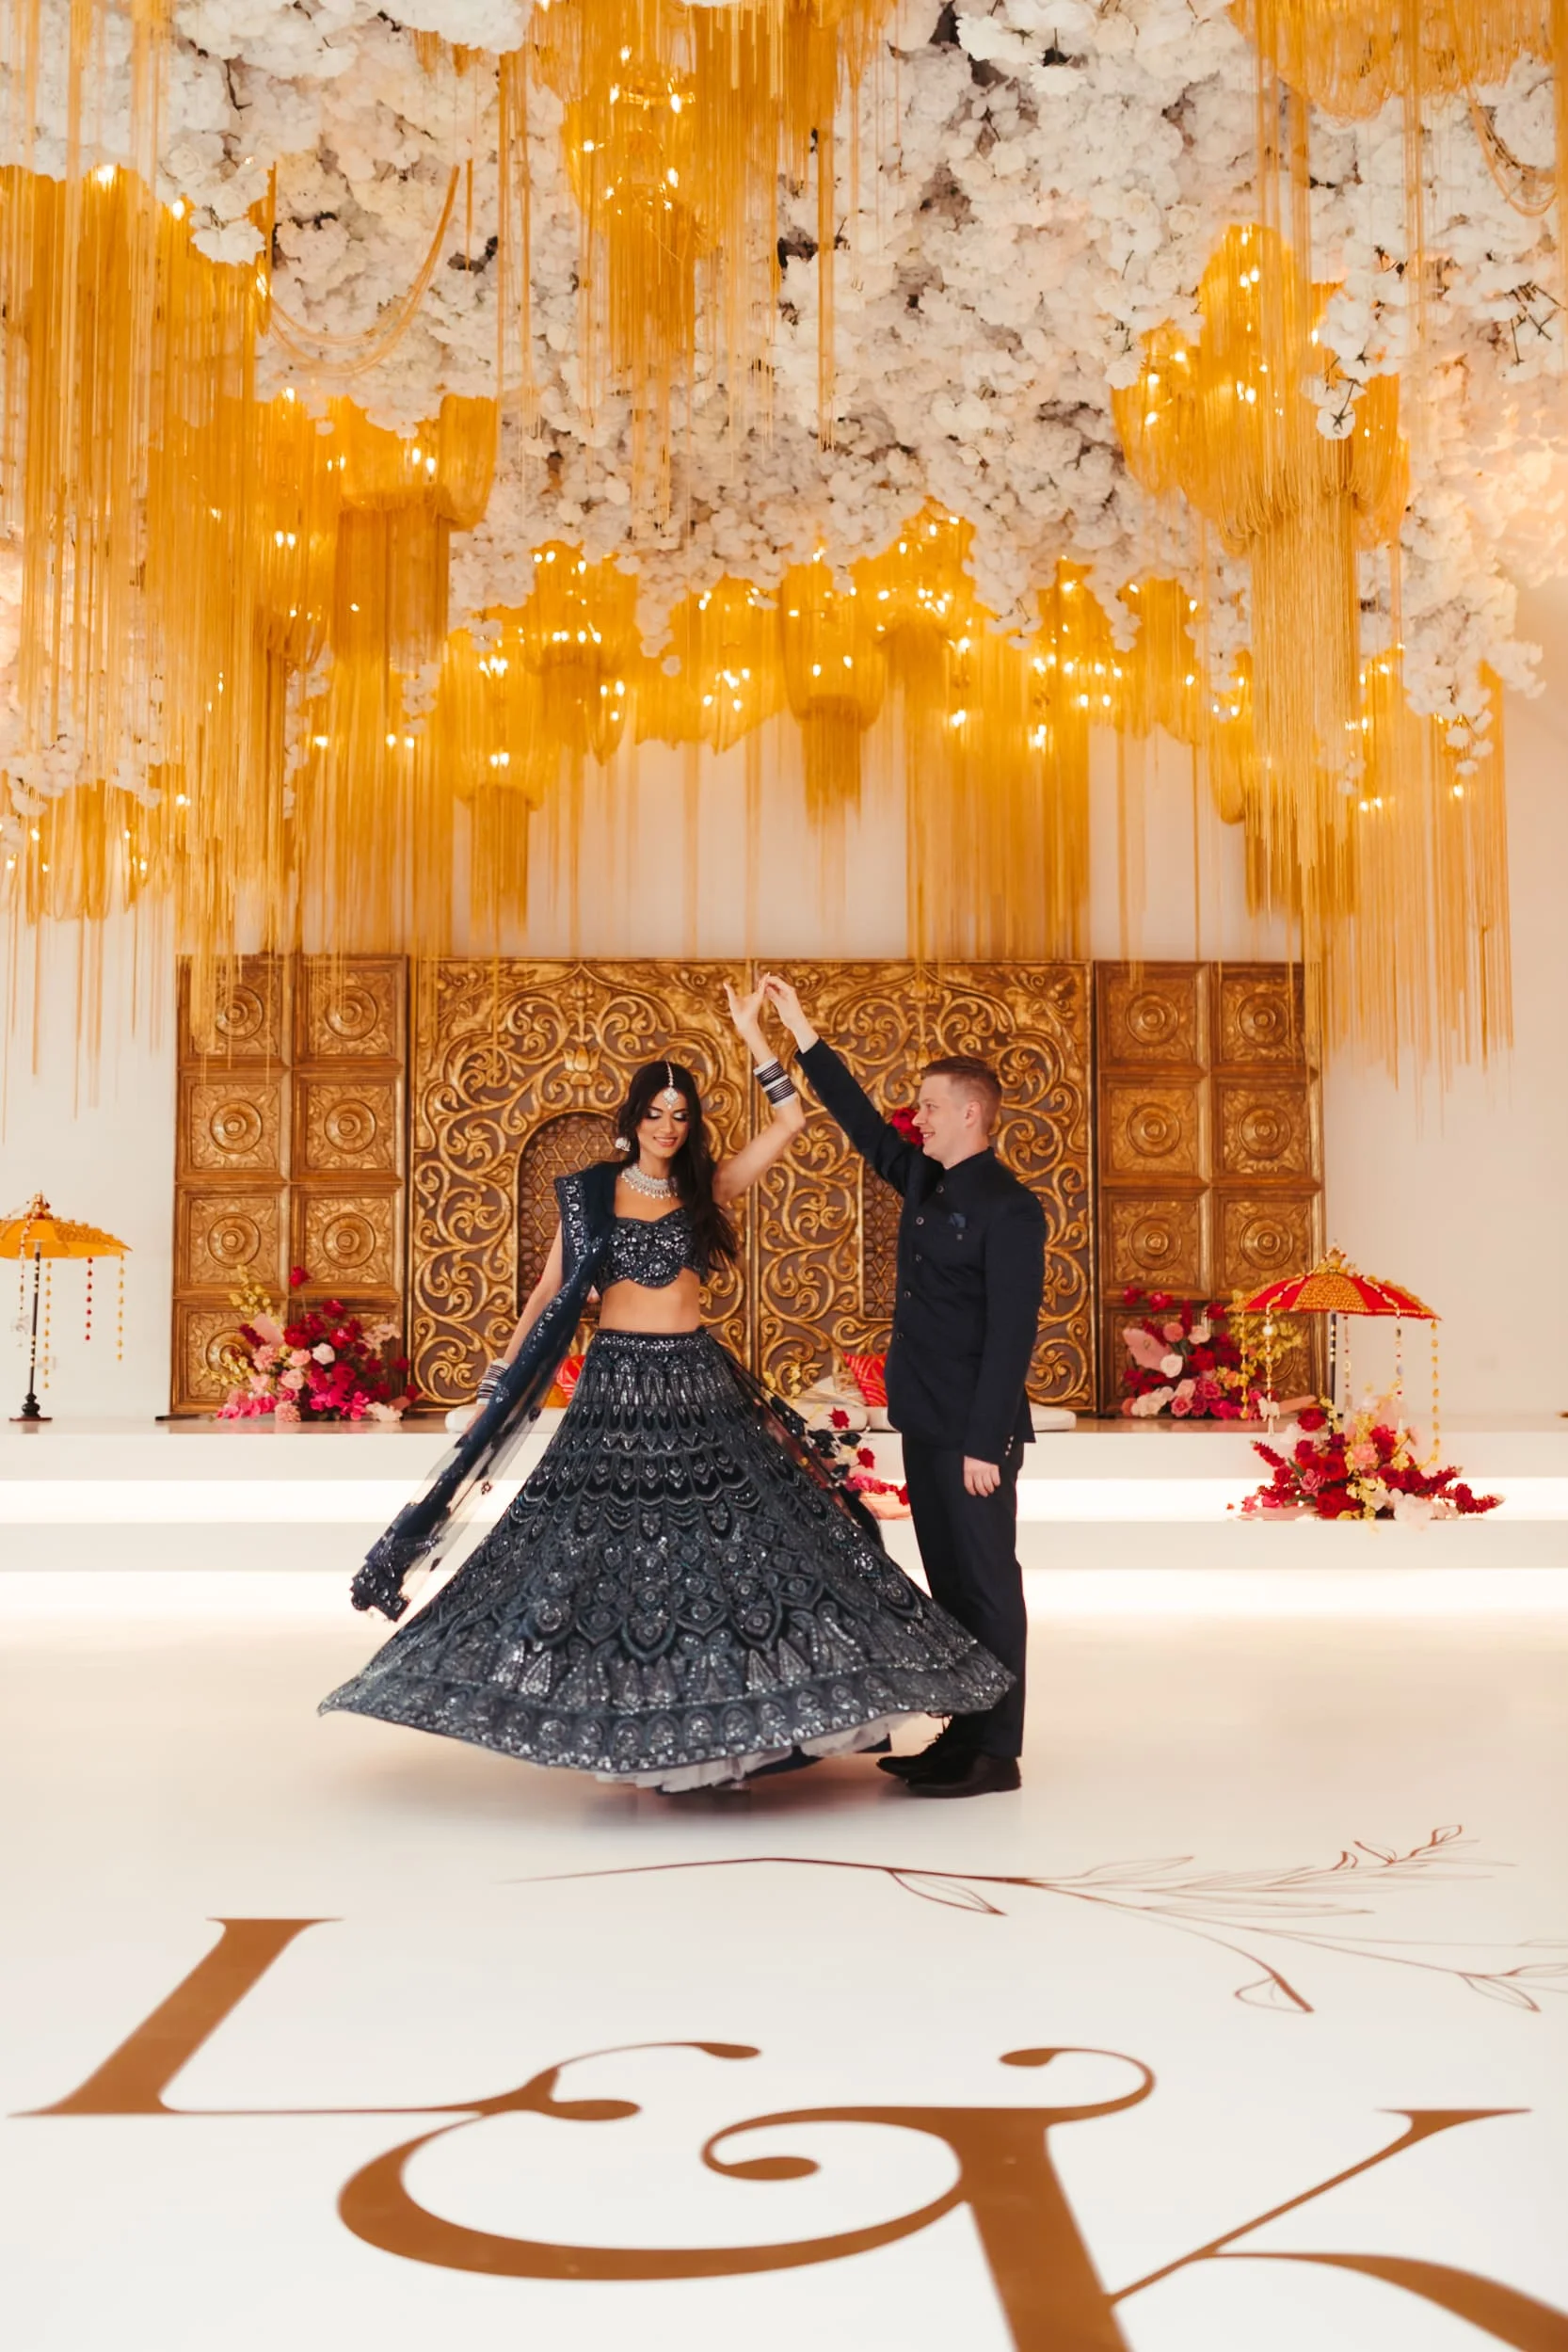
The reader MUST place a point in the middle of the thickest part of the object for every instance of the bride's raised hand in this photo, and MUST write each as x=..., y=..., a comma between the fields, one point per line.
x=746, y=1014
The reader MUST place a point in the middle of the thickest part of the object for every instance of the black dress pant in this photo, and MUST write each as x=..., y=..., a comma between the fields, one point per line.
x=969, y=1550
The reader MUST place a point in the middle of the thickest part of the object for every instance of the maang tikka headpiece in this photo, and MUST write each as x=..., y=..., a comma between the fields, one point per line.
x=671, y=1098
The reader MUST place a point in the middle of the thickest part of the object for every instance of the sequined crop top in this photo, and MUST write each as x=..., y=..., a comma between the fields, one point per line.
x=652, y=1251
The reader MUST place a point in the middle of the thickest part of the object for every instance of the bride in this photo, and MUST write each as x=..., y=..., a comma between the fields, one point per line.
x=679, y=1596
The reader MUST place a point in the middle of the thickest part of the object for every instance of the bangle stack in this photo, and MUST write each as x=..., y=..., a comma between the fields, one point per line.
x=776, y=1082
x=491, y=1381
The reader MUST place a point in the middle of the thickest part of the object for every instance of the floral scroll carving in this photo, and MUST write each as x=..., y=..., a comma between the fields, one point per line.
x=825, y=1236
x=500, y=1052
x=510, y=1061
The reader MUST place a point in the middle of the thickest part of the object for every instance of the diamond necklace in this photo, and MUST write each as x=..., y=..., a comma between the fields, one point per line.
x=652, y=1188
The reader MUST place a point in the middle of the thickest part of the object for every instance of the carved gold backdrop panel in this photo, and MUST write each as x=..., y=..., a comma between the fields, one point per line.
x=289, y=1148
x=294, y=1145
x=826, y=1229
x=1209, y=1144
x=501, y=1051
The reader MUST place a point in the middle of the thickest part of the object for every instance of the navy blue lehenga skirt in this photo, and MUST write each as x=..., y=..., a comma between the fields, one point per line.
x=673, y=1599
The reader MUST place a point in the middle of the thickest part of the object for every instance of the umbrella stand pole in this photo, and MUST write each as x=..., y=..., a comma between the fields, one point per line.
x=1333, y=1363
x=31, y=1412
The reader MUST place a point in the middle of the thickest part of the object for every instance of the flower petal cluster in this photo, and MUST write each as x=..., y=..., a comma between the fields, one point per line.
x=1183, y=1359
x=321, y=1364
x=1361, y=1464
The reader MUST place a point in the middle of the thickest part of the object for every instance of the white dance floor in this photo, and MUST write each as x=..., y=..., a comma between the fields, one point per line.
x=1241, y=2027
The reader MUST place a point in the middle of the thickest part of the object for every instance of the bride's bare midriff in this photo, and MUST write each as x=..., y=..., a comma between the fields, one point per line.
x=630, y=1306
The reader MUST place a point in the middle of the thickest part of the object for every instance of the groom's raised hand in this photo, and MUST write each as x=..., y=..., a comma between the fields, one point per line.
x=790, y=1009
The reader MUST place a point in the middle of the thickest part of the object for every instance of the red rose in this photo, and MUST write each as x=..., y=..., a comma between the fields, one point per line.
x=1335, y=1503
x=839, y=1417
x=1202, y=1360
x=1131, y=1295
x=903, y=1122
x=297, y=1276
x=866, y=1457
x=1159, y=1301
x=1312, y=1417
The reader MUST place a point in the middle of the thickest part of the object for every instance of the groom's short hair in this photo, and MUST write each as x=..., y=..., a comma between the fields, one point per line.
x=973, y=1078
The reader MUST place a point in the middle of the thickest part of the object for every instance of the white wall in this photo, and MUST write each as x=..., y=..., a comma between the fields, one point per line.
x=1460, y=1198
x=100, y=1146
x=1463, y=1196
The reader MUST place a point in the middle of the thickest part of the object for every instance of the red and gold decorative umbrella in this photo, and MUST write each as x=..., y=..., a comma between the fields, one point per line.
x=36, y=1235
x=1335, y=1288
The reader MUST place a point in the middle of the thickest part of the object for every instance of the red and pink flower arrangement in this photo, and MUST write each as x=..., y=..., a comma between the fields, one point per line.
x=1360, y=1465
x=321, y=1364
x=1185, y=1360
x=853, y=1466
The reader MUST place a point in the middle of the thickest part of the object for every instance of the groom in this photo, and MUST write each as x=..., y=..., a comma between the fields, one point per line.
x=970, y=1272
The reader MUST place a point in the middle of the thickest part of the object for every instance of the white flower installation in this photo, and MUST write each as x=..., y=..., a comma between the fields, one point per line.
x=1040, y=182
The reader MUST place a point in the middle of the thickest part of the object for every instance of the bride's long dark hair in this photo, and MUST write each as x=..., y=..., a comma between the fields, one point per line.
x=692, y=1166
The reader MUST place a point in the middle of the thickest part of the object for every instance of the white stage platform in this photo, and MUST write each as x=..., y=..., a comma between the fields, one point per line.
x=84, y=1503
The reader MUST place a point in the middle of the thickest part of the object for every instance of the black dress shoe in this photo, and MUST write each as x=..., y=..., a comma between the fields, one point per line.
x=946, y=1744
x=971, y=1776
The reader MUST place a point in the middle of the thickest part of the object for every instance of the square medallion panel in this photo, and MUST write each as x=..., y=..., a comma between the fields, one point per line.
x=290, y=1149
x=1208, y=1141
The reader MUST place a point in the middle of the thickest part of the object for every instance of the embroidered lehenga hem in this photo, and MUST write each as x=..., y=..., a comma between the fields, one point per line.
x=673, y=1600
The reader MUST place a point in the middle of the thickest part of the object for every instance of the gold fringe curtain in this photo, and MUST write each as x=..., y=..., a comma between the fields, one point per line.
x=239, y=702
x=1384, y=839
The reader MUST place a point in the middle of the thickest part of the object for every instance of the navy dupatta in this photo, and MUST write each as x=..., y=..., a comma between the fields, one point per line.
x=587, y=1205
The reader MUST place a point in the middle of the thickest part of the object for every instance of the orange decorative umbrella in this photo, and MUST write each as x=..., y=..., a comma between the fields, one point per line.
x=37, y=1233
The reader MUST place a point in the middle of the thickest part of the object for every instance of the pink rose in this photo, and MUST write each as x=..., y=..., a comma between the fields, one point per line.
x=266, y=1358
x=287, y=1415
x=267, y=1331
x=1185, y=1388
x=300, y=1357
x=1171, y=1331
x=294, y=1379
x=1181, y=1406
x=1170, y=1365
x=323, y=1353
x=1199, y=1334
x=259, y=1385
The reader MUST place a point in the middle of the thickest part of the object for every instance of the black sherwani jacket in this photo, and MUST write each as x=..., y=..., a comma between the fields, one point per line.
x=971, y=1247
